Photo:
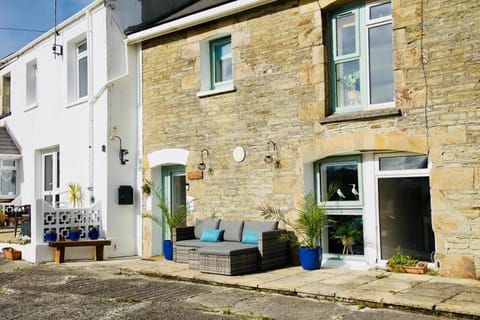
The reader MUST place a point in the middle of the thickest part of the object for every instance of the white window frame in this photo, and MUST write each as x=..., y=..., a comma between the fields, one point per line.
x=368, y=209
x=6, y=94
x=206, y=81
x=361, y=54
x=83, y=55
x=14, y=168
x=31, y=84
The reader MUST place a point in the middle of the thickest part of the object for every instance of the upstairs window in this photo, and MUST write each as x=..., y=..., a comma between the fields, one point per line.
x=5, y=87
x=216, y=67
x=82, y=70
x=362, y=57
x=32, y=83
x=221, y=62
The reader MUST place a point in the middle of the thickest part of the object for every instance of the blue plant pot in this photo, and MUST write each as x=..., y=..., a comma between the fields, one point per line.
x=49, y=237
x=310, y=258
x=93, y=234
x=168, y=249
x=74, y=235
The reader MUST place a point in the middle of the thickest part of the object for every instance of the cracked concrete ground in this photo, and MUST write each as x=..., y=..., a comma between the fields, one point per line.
x=87, y=290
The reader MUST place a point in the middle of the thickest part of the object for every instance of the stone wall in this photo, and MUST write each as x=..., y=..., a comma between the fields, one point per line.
x=279, y=56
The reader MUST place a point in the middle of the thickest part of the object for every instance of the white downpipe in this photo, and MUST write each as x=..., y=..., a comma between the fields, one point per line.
x=94, y=98
x=196, y=19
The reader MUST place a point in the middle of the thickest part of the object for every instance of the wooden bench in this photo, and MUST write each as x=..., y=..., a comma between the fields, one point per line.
x=61, y=245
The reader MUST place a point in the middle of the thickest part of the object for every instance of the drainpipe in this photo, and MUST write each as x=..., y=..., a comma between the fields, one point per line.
x=94, y=98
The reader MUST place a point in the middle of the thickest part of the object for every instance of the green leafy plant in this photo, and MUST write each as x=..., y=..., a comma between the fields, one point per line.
x=50, y=231
x=308, y=225
x=147, y=187
x=400, y=260
x=174, y=220
x=75, y=194
x=350, y=80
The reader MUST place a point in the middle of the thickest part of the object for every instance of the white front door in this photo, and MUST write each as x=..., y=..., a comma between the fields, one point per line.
x=51, y=177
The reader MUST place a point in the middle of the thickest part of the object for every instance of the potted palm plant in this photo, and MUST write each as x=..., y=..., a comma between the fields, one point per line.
x=174, y=220
x=350, y=81
x=308, y=229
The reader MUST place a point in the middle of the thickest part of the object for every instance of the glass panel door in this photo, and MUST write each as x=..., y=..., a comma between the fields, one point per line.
x=405, y=217
x=51, y=178
x=174, y=191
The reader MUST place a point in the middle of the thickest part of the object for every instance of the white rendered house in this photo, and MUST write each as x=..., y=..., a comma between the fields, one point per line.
x=69, y=103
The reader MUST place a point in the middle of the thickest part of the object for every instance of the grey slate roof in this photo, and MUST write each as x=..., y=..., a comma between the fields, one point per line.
x=196, y=6
x=7, y=145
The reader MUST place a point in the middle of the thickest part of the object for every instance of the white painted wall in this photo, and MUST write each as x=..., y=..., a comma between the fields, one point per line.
x=79, y=128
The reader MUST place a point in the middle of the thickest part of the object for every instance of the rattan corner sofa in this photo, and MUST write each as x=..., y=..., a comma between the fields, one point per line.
x=229, y=255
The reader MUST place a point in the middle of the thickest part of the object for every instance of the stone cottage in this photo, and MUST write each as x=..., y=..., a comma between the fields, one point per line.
x=250, y=103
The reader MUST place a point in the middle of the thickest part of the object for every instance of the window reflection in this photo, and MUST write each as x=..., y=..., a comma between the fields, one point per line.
x=346, y=35
x=345, y=235
x=403, y=163
x=340, y=181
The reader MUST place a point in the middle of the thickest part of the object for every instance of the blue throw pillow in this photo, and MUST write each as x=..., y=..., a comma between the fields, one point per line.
x=250, y=237
x=211, y=235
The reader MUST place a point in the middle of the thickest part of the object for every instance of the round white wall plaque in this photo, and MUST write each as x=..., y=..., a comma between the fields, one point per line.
x=238, y=154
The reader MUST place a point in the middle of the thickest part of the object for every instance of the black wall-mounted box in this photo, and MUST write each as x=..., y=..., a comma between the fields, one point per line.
x=125, y=195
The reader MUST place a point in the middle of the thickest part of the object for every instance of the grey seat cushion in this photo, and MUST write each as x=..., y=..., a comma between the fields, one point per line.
x=260, y=226
x=204, y=223
x=195, y=243
x=228, y=248
x=232, y=230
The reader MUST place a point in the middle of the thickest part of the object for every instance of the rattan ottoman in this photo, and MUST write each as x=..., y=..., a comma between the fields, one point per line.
x=233, y=262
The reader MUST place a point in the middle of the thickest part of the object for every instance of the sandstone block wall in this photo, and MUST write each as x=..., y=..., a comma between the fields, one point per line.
x=280, y=75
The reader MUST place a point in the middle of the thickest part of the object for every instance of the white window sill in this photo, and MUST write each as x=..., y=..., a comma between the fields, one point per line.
x=225, y=89
x=77, y=102
x=31, y=106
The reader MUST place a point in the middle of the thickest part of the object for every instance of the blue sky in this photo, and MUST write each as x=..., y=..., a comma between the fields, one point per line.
x=31, y=14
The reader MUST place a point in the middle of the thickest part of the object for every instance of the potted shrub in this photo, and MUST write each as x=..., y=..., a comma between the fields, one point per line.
x=74, y=234
x=348, y=234
x=400, y=262
x=50, y=235
x=93, y=233
x=174, y=220
x=308, y=230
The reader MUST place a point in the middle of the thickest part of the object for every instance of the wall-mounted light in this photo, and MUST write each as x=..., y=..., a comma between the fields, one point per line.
x=271, y=146
x=122, y=153
x=271, y=151
x=202, y=166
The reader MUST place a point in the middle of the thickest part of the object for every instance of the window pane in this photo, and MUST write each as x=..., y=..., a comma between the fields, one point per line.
x=223, y=62
x=380, y=11
x=340, y=181
x=82, y=77
x=82, y=48
x=345, y=234
x=48, y=166
x=346, y=35
x=8, y=163
x=8, y=180
x=403, y=163
x=348, y=83
x=381, y=64
x=405, y=217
